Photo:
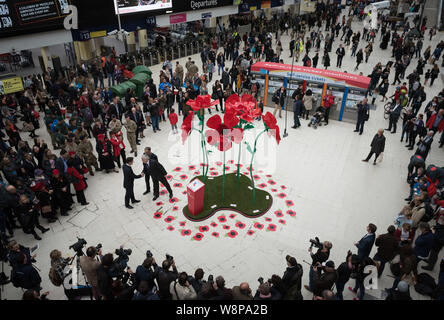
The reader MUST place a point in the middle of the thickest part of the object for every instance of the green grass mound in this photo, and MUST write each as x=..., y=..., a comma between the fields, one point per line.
x=237, y=198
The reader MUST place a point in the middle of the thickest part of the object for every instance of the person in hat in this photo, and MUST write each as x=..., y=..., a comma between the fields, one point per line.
x=61, y=194
x=85, y=151
x=105, y=151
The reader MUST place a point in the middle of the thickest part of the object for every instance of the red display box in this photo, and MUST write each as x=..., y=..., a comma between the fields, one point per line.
x=195, y=192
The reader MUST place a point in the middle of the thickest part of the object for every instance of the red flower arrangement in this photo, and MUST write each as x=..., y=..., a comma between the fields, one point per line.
x=232, y=234
x=203, y=228
x=198, y=237
x=185, y=232
x=271, y=227
x=258, y=225
x=240, y=225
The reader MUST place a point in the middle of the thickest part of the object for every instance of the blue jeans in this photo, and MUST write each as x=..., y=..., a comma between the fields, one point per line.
x=359, y=286
x=310, y=279
x=155, y=123
x=404, y=132
x=339, y=289
x=219, y=67
x=110, y=79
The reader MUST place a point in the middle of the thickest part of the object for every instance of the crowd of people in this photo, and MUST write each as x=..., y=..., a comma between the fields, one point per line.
x=85, y=121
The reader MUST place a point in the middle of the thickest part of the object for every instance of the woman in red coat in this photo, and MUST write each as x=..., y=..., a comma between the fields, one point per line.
x=78, y=182
x=116, y=140
x=436, y=121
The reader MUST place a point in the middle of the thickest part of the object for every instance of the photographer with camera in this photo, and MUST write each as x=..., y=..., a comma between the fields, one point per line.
x=90, y=265
x=321, y=255
x=346, y=270
x=57, y=270
x=324, y=277
x=165, y=277
x=197, y=281
x=104, y=278
x=147, y=271
x=145, y=292
x=242, y=292
x=292, y=279
x=180, y=289
x=266, y=291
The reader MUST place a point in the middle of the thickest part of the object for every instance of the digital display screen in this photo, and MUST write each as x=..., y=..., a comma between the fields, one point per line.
x=133, y=6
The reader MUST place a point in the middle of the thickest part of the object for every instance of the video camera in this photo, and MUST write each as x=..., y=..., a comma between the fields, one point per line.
x=316, y=243
x=120, y=263
x=80, y=244
x=261, y=280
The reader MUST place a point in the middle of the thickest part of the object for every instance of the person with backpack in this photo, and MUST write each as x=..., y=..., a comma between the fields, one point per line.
x=58, y=264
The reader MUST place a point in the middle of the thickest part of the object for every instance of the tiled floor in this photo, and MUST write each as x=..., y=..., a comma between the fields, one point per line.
x=335, y=196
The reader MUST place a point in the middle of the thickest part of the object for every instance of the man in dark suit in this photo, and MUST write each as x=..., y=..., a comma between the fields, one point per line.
x=128, y=182
x=146, y=167
x=395, y=113
x=366, y=243
x=387, y=248
x=61, y=162
x=158, y=173
x=363, y=111
x=116, y=108
x=424, y=145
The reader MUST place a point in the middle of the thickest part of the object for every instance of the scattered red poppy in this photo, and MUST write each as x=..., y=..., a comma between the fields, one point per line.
x=212, y=169
x=289, y=203
x=169, y=177
x=282, y=195
x=273, y=190
x=157, y=215
x=232, y=215
x=222, y=219
x=159, y=203
x=170, y=228
x=271, y=227
x=230, y=161
x=215, y=234
x=177, y=185
x=262, y=185
x=291, y=213
x=177, y=169
x=213, y=224
x=256, y=177
x=272, y=182
x=271, y=125
x=218, y=163
x=282, y=221
x=182, y=223
x=175, y=208
x=268, y=175
x=246, y=173
x=191, y=167
x=161, y=185
x=232, y=234
x=203, y=164
x=283, y=187
x=248, y=168
x=250, y=232
x=268, y=219
x=185, y=232
x=203, y=228
x=226, y=227
x=184, y=192
x=173, y=200
x=258, y=225
x=240, y=225
x=278, y=213
x=163, y=192
x=169, y=219
x=184, y=177
x=198, y=236
x=214, y=173
x=227, y=168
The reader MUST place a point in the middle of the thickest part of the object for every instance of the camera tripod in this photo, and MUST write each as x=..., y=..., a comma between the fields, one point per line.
x=76, y=258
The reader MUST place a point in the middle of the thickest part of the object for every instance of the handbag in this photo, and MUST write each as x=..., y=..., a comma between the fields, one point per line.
x=380, y=157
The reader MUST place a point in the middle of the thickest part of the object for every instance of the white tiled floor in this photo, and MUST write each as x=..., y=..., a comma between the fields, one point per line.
x=335, y=196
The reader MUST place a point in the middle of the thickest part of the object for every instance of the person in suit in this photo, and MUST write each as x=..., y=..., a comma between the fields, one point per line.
x=387, y=248
x=366, y=243
x=363, y=111
x=378, y=145
x=116, y=108
x=137, y=117
x=128, y=182
x=147, y=152
x=158, y=173
x=395, y=113
x=424, y=145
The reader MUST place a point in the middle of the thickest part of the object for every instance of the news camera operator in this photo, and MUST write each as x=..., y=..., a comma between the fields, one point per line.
x=165, y=277
x=324, y=277
x=321, y=256
x=90, y=265
x=147, y=271
x=104, y=278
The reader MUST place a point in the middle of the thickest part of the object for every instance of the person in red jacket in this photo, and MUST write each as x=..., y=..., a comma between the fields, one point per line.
x=79, y=183
x=329, y=100
x=173, y=121
x=118, y=147
x=436, y=121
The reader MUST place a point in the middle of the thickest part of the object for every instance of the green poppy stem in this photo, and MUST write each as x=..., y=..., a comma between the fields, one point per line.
x=251, y=163
x=223, y=181
x=238, y=165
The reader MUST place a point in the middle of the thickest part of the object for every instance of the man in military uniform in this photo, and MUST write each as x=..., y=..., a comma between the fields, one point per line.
x=85, y=151
x=131, y=130
x=179, y=72
x=115, y=125
x=70, y=145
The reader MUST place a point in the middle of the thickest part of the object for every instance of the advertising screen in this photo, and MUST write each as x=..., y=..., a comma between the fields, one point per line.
x=133, y=6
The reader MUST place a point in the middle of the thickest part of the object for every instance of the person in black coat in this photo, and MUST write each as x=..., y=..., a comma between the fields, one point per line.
x=27, y=276
x=128, y=182
x=165, y=277
x=387, y=248
x=345, y=271
x=146, y=168
x=363, y=112
x=378, y=145
x=158, y=173
x=366, y=243
x=279, y=97
x=292, y=280
x=116, y=108
x=395, y=113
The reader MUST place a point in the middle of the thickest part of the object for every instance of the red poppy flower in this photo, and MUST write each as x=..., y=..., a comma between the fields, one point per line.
x=278, y=213
x=177, y=169
x=191, y=167
x=250, y=232
x=184, y=177
x=185, y=232
x=291, y=213
x=230, y=162
x=163, y=192
x=272, y=182
x=240, y=225
x=232, y=234
x=173, y=200
x=222, y=134
x=196, y=173
x=282, y=195
x=215, y=234
x=186, y=127
x=213, y=224
x=273, y=190
x=159, y=203
x=232, y=215
x=248, y=168
x=177, y=185
x=202, y=102
x=256, y=177
x=271, y=125
x=226, y=227
x=169, y=219
x=283, y=187
x=169, y=177
x=175, y=208
x=203, y=228
x=157, y=215
x=246, y=173
x=218, y=163
x=170, y=228
x=258, y=225
x=262, y=185
x=289, y=203
x=184, y=192
x=222, y=219
x=182, y=223
x=268, y=176
x=227, y=168
x=282, y=221
x=198, y=236
x=214, y=173
x=203, y=164
x=268, y=219
x=271, y=227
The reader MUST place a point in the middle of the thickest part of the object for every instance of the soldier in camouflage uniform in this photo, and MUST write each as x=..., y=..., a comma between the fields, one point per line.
x=70, y=145
x=115, y=125
x=131, y=129
x=85, y=151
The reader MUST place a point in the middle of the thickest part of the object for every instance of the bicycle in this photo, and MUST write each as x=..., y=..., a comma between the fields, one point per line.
x=388, y=107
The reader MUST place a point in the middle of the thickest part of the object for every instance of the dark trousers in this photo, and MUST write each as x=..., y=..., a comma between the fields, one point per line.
x=382, y=263
x=433, y=257
x=164, y=181
x=155, y=123
x=359, y=287
x=339, y=62
x=370, y=155
x=360, y=125
x=339, y=289
x=327, y=114
x=129, y=195
x=297, y=123
x=80, y=196
x=393, y=123
x=147, y=182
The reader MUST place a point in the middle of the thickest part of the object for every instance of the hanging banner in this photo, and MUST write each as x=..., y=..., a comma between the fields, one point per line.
x=184, y=5
x=11, y=85
x=178, y=18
